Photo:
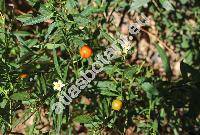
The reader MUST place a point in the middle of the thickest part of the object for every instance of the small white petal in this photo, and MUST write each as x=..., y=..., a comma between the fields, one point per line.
x=54, y=83
x=59, y=81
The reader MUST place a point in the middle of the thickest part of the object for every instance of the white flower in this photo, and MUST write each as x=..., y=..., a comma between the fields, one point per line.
x=125, y=44
x=126, y=48
x=58, y=85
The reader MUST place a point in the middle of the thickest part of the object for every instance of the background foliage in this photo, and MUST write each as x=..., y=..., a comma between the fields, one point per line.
x=44, y=40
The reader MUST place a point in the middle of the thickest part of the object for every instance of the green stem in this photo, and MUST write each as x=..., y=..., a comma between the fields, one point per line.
x=149, y=113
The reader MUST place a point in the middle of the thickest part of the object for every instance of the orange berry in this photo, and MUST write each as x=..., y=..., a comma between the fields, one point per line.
x=85, y=51
x=23, y=75
x=116, y=104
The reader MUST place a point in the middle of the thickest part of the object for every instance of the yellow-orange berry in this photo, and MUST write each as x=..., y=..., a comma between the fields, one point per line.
x=85, y=51
x=116, y=104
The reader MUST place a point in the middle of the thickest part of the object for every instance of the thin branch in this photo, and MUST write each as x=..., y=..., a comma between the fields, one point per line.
x=161, y=42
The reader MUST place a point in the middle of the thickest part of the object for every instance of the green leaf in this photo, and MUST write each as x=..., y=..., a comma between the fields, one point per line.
x=78, y=41
x=105, y=106
x=29, y=102
x=22, y=33
x=165, y=61
x=167, y=5
x=86, y=119
x=71, y=4
x=111, y=70
x=109, y=93
x=175, y=131
x=3, y=91
x=2, y=20
x=149, y=89
x=50, y=29
x=155, y=125
x=24, y=18
x=107, y=88
x=31, y=2
x=188, y=57
x=3, y=103
x=138, y=3
x=66, y=72
x=184, y=1
x=129, y=73
x=31, y=42
x=102, y=85
x=24, y=44
x=185, y=42
x=38, y=19
x=162, y=113
x=56, y=64
x=52, y=46
x=2, y=5
x=59, y=123
x=92, y=10
x=82, y=21
x=2, y=26
x=107, y=36
x=20, y=96
x=43, y=84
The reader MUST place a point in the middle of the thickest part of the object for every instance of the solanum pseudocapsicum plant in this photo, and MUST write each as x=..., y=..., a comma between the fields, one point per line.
x=49, y=41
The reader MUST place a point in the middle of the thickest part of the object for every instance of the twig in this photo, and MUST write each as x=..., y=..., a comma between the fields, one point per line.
x=19, y=12
x=16, y=133
x=161, y=42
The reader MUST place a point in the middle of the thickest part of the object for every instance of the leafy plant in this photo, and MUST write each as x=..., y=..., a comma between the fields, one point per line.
x=42, y=40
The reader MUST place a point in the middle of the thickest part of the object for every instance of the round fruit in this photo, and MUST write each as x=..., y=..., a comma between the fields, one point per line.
x=116, y=104
x=23, y=75
x=85, y=51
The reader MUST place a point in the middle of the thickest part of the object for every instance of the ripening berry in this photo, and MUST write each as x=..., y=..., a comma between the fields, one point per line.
x=116, y=104
x=85, y=51
x=23, y=75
